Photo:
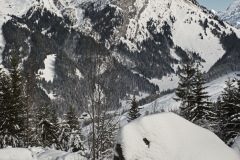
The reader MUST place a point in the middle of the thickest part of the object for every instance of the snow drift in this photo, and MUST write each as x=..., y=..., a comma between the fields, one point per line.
x=15, y=154
x=169, y=137
x=37, y=153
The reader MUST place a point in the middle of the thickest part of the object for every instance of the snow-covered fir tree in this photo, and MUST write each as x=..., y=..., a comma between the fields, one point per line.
x=5, y=102
x=47, y=127
x=13, y=106
x=72, y=131
x=72, y=119
x=133, y=113
x=18, y=99
x=184, y=91
x=202, y=108
x=226, y=111
x=235, y=118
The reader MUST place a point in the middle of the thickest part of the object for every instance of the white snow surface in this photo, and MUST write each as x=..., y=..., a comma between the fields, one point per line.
x=37, y=153
x=171, y=138
x=15, y=154
x=52, y=154
x=236, y=145
x=49, y=71
x=167, y=82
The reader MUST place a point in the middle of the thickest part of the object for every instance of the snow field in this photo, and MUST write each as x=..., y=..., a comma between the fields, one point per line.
x=49, y=71
x=171, y=138
x=167, y=82
x=15, y=154
x=187, y=27
x=236, y=145
x=37, y=153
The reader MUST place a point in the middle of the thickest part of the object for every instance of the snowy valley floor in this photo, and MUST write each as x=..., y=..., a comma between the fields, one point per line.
x=167, y=103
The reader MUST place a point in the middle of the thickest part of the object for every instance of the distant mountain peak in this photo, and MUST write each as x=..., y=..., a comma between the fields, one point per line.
x=232, y=14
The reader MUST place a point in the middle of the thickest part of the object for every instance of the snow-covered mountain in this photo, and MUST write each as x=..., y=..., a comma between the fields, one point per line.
x=147, y=39
x=232, y=14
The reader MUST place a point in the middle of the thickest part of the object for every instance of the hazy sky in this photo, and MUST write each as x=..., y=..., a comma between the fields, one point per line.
x=217, y=5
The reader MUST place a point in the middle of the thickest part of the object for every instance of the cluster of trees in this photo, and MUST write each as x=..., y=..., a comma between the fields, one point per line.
x=12, y=107
x=23, y=123
x=228, y=112
x=221, y=117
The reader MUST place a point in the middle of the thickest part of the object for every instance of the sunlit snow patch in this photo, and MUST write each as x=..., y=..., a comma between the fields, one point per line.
x=167, y=82
x=79, y=74
x=49, y=72
x=15, y=154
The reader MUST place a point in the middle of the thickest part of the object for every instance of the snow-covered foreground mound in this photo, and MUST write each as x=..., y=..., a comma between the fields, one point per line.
x=37, y=153
x=236, y=145
x=171, y=138
x=15, y=154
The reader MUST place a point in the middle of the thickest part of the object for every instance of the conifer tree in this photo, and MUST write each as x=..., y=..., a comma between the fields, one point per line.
x=13, y=106
x=184, y=91
x=72, y=131
x=134, y=111
x=48, y=126
x=18, y=100
x=226, y=110
x=72, y=119
x=227, y=107
x=201, y=108
x=5, y=106
x=234, y=119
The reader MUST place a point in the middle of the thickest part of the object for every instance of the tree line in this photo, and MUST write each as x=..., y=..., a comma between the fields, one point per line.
x=221, y=117
x=23, y=123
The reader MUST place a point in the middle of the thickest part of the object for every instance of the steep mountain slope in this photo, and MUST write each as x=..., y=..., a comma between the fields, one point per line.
x=159, y=33
x=146, y=40
x=232, y=14
x=11, y=7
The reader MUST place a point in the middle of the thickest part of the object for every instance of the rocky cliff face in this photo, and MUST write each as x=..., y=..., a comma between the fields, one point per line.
x=146, y=40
